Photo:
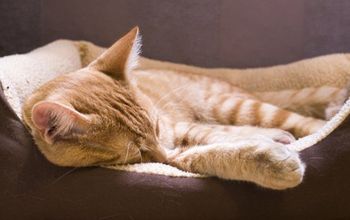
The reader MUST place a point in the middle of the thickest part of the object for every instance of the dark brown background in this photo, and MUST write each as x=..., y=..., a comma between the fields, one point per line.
x=234, y=33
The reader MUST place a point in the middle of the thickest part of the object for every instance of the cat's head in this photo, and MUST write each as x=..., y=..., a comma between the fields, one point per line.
x=92, y=116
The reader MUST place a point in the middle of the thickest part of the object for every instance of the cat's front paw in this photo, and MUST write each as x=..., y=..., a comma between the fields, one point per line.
x=310, y=126
x=262, y=161
x=277, y=167
x=278, y=135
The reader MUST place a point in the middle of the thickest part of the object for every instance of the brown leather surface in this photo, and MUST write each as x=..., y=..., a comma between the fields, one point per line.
x=232, y=33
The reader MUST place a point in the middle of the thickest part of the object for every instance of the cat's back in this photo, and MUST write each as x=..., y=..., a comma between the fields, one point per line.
x=181, y=95
x=158, y=83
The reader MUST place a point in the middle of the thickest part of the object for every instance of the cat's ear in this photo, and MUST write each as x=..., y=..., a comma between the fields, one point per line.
x=121, y=57
x=55, y=121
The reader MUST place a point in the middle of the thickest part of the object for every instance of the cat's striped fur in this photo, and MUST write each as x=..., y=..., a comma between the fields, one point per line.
x=193, y=122
x=214, y=101
x=313, y=102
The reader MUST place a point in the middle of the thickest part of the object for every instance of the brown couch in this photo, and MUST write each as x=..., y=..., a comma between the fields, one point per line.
x=208, y=33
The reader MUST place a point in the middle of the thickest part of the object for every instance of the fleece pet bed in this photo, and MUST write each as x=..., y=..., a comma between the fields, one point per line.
x=21, y=74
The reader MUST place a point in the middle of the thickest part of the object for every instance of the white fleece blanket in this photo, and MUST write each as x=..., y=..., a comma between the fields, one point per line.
x=21, y=74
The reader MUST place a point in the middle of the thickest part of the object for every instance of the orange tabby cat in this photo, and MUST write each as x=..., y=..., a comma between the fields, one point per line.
x=108, y=114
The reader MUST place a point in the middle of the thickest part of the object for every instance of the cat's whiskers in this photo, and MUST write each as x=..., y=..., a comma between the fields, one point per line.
x=156, y=105
x=176, y=107
x=139, y=151
x=127, y=152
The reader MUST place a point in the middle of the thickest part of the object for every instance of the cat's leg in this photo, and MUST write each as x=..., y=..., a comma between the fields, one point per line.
x=228, y=109
x=190, y=134
x=237, y=153
x=262, y=161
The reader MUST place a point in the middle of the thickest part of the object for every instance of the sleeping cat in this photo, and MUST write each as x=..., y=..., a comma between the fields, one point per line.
x=108, y=113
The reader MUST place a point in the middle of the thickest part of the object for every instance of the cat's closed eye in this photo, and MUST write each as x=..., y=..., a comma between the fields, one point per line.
x=157, y=128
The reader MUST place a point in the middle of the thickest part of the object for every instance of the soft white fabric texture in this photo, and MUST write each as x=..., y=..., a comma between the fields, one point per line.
x=21, y=74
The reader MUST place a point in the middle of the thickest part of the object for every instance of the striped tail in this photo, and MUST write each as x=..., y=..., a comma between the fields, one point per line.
x=238, y=111
x=308, y=101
